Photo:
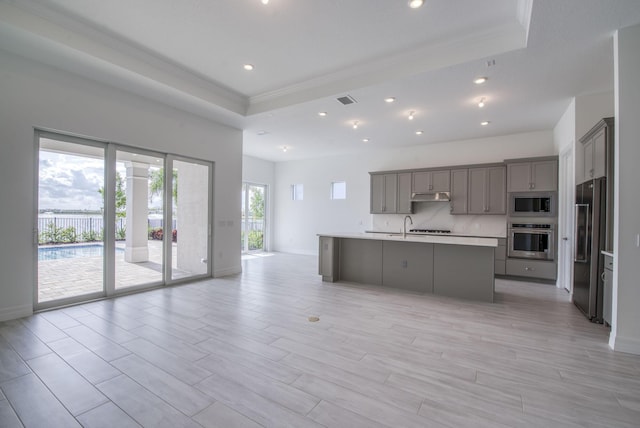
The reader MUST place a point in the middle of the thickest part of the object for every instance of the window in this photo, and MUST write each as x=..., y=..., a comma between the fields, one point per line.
x=297, y=192
x=339, y=190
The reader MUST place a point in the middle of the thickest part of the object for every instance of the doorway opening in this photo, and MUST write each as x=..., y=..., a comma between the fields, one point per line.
x=253, y=224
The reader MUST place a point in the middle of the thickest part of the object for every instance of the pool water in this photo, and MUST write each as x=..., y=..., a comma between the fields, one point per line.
x=72, y=251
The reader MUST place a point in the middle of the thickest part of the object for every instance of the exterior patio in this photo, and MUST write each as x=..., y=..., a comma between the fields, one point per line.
x=76, y=276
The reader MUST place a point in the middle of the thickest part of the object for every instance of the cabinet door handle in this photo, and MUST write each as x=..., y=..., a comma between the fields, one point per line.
x=602, y=276
x=529, y=269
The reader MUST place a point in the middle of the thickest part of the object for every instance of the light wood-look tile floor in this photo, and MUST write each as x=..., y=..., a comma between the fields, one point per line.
x=241, y=352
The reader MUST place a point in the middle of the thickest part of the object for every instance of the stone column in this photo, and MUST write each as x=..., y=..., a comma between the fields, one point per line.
x=137, y=240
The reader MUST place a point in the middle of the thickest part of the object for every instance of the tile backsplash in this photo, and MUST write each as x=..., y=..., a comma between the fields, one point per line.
x=436, y=215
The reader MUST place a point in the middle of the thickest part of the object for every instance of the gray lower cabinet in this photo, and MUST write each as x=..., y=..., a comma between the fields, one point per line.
x=537, y=269
x=407, y=265
x=464, y=271
x=361, y=261
x=501, y=257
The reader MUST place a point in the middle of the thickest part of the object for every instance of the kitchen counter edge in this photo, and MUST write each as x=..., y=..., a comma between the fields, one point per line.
x=428, y=239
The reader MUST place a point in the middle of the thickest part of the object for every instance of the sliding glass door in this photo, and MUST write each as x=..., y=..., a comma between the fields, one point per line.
x=139, y=219
x=114, y=218
x=70, y=220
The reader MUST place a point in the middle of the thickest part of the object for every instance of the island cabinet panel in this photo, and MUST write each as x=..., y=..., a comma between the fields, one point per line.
x=407, y=265
x=329, y=256
x=501, y=257
x=361, y=261
x=464, y=272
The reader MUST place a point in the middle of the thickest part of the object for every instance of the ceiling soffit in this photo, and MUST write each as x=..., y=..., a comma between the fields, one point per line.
x=48, y=36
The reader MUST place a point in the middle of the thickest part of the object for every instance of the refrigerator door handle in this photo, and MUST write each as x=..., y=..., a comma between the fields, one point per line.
x=581, y=211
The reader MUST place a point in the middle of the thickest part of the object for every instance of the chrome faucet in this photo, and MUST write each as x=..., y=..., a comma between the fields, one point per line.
x=404, y=226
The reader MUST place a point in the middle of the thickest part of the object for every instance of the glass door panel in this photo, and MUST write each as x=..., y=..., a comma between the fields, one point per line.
x=190, y=215
x=139, y=228
x=253, y=217
x=71, y=179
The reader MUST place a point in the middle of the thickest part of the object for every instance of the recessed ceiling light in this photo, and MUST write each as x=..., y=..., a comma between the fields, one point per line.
x=485, y=123
x=480, y=80
x=355, y=124
x=411, y=114
x=284, y=149
x=419, y=132
x=414, y=4
x=322, y=113
x=365, y=140
x=265, y=1
x=481, y=103
x=248, y=67
x=389, y=99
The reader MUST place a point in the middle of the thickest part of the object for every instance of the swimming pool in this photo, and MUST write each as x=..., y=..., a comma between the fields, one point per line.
x=71, y=251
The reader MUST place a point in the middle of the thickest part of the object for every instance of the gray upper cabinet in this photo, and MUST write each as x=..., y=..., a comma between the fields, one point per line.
x=431, y=181
x=596, y=151
x=404, y=193
x=459, y=191
x=391, y=193
x=533, y=176
x=487, y=190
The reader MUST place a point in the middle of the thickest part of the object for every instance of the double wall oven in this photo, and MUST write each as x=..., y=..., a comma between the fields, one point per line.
x=531, y=241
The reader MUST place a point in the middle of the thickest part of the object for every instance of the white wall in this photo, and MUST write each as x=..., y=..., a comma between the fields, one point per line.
x=625, y=329
x=35, y=95
x=298, y=222
x=259, y=171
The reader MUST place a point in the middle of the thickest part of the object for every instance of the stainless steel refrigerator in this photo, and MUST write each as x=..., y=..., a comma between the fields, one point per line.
x=590, y=237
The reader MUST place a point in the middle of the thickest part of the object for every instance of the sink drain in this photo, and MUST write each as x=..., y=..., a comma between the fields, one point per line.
x=314, y=319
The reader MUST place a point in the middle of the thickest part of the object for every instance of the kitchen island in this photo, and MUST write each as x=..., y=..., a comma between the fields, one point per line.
x=454, y=266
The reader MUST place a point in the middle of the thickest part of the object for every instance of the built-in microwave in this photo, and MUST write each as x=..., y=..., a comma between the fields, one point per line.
x=532, y=204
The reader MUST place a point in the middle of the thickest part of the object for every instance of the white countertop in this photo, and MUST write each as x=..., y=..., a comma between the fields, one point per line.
x=467, y=235
x=429, y=239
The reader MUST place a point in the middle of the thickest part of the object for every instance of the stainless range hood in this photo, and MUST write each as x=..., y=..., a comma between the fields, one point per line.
x=431, y=197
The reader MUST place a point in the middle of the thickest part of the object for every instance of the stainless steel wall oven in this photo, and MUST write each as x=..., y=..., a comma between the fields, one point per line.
x=531, y=241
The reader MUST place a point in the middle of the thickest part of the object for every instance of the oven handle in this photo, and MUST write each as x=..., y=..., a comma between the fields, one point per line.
x=576, y=257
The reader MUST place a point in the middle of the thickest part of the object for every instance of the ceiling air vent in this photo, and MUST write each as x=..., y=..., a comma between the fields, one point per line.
x=346, y=100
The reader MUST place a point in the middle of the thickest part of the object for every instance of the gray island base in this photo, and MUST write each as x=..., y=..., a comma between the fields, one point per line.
x=452, y=266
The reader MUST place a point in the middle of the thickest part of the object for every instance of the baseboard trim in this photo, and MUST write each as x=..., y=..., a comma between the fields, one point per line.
x=218, y=273
x=14, y=312
x=624, y=344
